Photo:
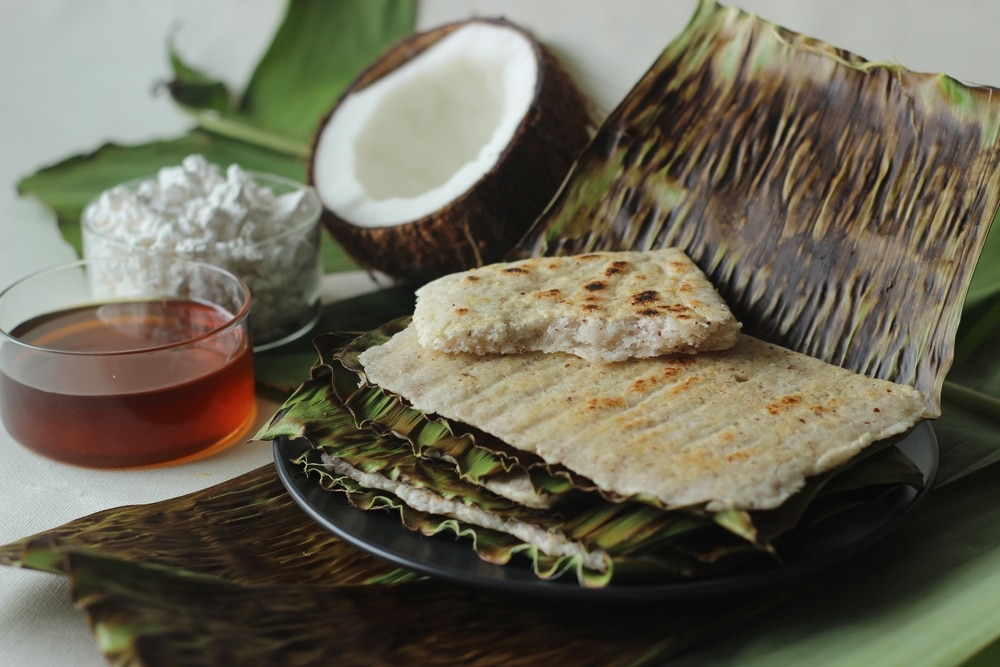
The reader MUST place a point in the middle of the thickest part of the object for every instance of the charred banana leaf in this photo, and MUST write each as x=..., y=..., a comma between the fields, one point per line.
x=230, y=531
x=149, y=616
x=838, y=205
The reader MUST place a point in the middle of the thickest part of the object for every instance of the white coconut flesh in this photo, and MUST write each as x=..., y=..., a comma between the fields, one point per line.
x=424, y=134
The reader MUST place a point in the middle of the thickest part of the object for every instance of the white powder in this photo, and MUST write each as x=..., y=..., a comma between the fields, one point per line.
x=234, y=220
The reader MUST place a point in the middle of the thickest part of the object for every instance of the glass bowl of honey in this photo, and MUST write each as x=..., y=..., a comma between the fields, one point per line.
x=99, y=369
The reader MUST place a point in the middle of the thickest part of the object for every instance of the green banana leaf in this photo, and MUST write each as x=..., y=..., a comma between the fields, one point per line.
x=621, y=529
x=926, y=596
x=985, y=285
x=320, y=47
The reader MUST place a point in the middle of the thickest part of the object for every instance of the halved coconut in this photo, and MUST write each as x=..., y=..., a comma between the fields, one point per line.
x=442, y=153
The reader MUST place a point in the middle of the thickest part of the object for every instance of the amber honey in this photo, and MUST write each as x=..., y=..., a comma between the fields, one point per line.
x=128, y=384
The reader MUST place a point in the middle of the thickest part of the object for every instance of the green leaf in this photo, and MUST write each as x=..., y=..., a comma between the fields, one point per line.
x=969, y=428
x=985, y=285
x=192, y=88
x=321, y=46
x=968, y=441
x=988, y=657
x=978, y=334
x=926, y=595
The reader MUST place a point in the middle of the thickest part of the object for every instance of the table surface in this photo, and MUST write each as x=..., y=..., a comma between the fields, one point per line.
x=75, y=75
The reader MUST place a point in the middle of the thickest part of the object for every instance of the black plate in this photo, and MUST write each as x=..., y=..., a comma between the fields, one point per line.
x=383, y=535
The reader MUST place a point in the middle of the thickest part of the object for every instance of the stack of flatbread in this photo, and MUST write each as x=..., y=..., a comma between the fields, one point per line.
x=625, y=373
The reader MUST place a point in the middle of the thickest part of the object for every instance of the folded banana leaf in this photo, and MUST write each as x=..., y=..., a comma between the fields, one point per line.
x=236, y=575
x=144, y=615
x=222, y=531
x=602, y=531
x=838, y=205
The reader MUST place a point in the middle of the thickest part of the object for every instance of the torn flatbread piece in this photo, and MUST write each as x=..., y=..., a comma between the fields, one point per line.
x=740, y=428
x=602, y=306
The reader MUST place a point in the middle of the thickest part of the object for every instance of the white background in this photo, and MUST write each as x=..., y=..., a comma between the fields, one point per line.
x=75, y=74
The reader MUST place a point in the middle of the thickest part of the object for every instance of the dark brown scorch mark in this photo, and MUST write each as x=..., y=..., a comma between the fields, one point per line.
x=644, y=302
x=645, y=297
x=678, y=310
x=616, y=268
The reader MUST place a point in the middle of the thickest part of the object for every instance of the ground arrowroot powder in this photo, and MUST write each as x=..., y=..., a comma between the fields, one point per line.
x=262, y=228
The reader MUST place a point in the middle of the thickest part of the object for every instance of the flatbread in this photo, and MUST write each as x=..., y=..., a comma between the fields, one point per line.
x=739, y=428
x=602, y=306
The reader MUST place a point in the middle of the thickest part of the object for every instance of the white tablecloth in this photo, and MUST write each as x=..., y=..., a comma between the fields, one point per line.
x=74, y=75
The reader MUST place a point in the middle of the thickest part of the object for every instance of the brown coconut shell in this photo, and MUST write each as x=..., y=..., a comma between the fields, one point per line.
x=483, y=223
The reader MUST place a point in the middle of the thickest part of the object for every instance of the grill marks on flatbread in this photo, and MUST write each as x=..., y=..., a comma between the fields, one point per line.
x=604, y=306
x=737, y=428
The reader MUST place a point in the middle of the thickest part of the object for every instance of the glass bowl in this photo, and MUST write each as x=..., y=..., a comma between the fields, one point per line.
x=103, y=371
x=277, y=253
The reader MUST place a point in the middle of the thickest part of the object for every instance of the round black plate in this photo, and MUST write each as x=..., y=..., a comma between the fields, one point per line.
x=383, y=535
